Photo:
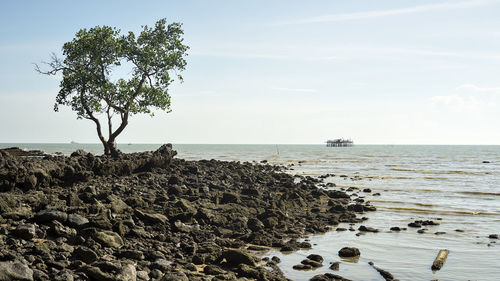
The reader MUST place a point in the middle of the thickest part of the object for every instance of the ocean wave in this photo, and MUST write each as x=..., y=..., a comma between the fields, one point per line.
x=433, y=211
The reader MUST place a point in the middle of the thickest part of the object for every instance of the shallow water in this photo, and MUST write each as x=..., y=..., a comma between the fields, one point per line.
x=449, y=183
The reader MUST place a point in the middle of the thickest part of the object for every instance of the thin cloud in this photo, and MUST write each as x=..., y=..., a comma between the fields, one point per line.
x=393, y=12
x=297, y=90
x=237, y=55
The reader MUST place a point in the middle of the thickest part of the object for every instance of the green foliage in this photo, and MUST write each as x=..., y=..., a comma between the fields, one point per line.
x=87, y=85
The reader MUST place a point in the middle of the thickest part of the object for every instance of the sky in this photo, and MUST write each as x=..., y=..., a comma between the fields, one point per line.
x=277, y=72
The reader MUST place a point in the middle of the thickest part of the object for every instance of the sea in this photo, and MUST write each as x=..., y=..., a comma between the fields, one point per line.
x=457, y=186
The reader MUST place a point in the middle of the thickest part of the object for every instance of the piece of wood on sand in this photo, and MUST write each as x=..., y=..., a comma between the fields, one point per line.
x=440, y=259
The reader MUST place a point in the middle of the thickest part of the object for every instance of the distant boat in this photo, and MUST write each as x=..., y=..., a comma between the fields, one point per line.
x=73, y=142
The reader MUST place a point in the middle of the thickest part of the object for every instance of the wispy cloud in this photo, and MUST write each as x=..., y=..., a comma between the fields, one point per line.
x=392, y=12
x=297, y=90
x=477, y=89
x=464, y=98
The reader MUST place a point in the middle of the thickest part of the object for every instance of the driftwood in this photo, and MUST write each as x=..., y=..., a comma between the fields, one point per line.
x=385, y=274
x=440, y=259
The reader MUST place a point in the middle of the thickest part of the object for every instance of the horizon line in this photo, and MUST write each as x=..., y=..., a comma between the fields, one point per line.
x=179, y=143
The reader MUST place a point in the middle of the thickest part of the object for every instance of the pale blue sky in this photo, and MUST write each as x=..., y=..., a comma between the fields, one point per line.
x=396, y=72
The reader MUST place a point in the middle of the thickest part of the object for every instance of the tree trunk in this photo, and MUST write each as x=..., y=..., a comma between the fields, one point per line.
x=110, y=149
x=107, y=150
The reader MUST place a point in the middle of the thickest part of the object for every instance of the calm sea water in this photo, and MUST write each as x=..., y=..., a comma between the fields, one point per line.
x=458, y=186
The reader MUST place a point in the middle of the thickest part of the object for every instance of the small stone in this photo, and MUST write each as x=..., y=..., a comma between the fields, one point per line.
x=493, y=236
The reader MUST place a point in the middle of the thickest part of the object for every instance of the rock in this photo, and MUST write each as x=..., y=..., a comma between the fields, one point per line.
x=236, y=257
x=162, y=264
x=276, y=259
x=25, y=231
x=151, y=218
x=78, y=153
x=302, y=267
x=395, y=228
x=175, y=276
x=49, y=215
x=15, y=271
x=118, y=206
x=348, y=252
x=84, y=254
x=127, y=273
x=39, y=275
x=415, y=224
x=191, y=267
x=493, y=236
x=95, y=273
x=367, y=229
x=142, y=275
x=182, y=227
x=131, y=254
x=64, y=276
x=315, y=257
x=328, y=277
x=312, y=263
x=305, y=245
x=109, y=239
x=77, y=221
x=62, y=231
x=229, y=197
x=213, y=270
x=255, y=225
x=335, y=266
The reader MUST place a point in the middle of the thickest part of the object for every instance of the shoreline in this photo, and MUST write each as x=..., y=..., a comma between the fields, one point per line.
x=160, y=215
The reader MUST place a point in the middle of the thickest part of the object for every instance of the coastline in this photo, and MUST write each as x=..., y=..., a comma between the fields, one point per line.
x=158, y=217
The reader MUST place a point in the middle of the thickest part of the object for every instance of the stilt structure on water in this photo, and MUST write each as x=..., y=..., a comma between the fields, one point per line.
x=339, y=143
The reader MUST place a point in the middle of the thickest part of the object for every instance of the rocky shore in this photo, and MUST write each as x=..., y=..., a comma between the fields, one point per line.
x=151, y=216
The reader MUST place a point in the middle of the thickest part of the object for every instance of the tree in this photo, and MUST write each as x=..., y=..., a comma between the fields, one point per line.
x=93, y=59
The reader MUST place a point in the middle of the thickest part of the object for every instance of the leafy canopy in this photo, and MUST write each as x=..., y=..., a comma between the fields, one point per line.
x=93, y=54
